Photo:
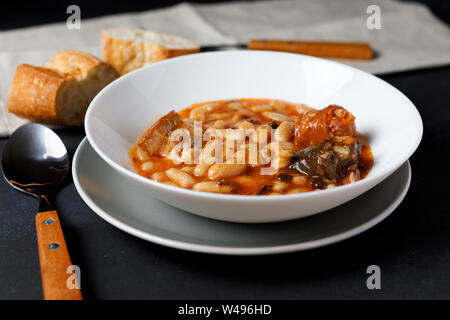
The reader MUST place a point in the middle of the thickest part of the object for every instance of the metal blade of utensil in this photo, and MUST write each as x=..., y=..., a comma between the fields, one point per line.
x=222, y=47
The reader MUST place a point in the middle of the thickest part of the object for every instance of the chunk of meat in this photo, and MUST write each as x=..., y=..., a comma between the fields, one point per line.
x=155, y=136
x=328, y=148
x=328, y=162
x=315, y=126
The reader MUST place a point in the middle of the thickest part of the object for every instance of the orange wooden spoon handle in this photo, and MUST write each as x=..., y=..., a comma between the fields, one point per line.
x=54, y=259
x=343, y=50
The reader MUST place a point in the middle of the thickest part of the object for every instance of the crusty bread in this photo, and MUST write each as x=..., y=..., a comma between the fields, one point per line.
x=127, y=49
x=60, y=92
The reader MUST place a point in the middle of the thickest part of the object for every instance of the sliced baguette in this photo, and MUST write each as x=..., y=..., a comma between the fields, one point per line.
x=60, y=92
x=127, y=49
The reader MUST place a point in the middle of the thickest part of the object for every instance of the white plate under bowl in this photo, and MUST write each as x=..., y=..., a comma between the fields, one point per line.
x=124, y=109
x=120, y=202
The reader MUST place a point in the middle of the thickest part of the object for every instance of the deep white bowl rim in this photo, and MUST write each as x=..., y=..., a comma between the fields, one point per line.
x=394, y=166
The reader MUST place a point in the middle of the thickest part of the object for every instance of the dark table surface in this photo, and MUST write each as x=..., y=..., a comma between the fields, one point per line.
x=412, y=246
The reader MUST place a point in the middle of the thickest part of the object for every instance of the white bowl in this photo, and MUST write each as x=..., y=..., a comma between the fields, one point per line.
x=125, y=108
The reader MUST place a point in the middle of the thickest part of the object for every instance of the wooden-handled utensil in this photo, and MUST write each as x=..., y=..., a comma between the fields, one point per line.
x=35, y=161
x=325, y=49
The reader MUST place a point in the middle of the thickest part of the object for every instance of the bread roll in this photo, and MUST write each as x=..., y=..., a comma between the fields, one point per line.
x=127, y=49
x=60, y=92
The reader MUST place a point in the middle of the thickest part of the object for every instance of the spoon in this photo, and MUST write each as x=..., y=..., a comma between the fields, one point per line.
x=35, y=161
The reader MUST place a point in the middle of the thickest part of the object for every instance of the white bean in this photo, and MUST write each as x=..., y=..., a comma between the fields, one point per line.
x=159, y=176
x=284, y=132
x=285, y=153
x=279, y=161
x=282, y=149
x=246, y=180
x=299, y=190
x=189, y=170
x=211, y=186
x=218, y=116
x=182, y=178
x=279, y=106
x=284, y=162
x=299, y=180
x=208, y=153
x=217, y=133
x=170, y=183
x=142, y=154
x=235, y=105
x=276, y=116
x=245, y=125
x=199, y=112
x=201, y=169
x=223, y=170
x=147, y=166
x=261, y=108
x=279, y=186
x=236, y=117
x=261, y=135
x=285, y=145
x=302, y=108
x=219, y=124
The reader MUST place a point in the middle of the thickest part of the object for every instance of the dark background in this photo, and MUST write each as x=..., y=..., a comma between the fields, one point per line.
x=412, y=246
x=18, y=14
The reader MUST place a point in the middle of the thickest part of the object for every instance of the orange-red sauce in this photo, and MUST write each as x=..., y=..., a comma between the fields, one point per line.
x=251, y=182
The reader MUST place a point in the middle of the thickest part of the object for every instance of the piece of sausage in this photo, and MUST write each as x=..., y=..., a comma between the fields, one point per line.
x=315, y=126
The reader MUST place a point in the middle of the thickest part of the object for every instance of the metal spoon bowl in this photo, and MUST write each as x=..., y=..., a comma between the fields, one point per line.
x=35, y=161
